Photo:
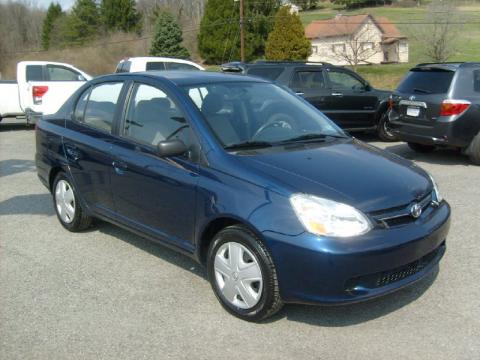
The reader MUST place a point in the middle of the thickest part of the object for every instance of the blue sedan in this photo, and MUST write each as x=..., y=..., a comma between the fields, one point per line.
x=253, y=182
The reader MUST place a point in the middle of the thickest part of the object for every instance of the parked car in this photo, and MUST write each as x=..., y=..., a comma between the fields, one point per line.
x=41, y=88
x=248, y=179
x=438, y=105
x=341, y=94
x=138, y=64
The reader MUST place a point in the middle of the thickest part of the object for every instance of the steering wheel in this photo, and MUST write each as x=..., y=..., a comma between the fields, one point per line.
x=278, y=120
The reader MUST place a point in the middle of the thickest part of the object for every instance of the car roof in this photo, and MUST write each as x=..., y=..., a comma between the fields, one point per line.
x=190, y=77
x=449, y=66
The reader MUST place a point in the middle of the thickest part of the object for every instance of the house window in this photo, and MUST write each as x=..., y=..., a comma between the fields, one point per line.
x=338, y=48
x=403, y=47
x=314, y=49
x=367, y=46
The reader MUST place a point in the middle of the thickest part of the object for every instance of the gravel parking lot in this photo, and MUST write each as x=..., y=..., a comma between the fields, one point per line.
x=109, y=294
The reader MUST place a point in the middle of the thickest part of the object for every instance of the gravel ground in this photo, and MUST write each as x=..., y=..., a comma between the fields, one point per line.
x=109, y=294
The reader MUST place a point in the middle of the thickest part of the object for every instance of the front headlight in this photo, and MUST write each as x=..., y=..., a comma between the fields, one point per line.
x=436, y=193
x=326, y=217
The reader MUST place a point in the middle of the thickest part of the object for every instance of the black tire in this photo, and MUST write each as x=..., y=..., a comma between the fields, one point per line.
x=270, y=301
x=473, y=150
x=421, y=148
x=80, y=220
x=383, y=130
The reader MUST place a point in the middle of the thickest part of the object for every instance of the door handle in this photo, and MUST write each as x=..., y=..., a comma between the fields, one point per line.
x=299, y=93
x=337, y=94
x=119, y=167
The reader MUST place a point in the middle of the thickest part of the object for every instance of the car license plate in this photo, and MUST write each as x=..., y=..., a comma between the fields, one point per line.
x=413, y=111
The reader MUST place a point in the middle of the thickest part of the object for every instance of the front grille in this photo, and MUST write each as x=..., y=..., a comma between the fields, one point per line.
x=400, y=215
x=393, y=275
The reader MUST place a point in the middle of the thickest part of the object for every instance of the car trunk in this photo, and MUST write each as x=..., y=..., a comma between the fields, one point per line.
x=420, y=95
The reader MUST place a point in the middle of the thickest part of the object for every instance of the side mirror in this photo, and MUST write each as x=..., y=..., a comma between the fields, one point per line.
x=171, y=148
x=368, y=87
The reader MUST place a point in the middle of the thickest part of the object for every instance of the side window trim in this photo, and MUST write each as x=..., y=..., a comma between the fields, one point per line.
x=89, y=90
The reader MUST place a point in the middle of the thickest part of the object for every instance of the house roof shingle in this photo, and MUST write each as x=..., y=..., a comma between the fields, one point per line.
x=347, y=25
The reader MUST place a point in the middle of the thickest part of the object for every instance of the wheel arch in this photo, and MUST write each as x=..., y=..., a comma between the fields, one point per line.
x=213, y=227
x=52, y=175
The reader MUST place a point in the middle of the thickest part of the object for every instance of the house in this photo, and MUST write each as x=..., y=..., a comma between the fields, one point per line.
x=294, y=9
x=356, y=39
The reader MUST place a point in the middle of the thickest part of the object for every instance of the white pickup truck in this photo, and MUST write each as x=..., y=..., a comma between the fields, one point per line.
x=41, y=89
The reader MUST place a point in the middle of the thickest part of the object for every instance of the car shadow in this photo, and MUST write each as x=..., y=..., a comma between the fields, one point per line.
x=156, y=249
x=13, y=126
x=328, y=316
x=15, y=166
x=32, y=204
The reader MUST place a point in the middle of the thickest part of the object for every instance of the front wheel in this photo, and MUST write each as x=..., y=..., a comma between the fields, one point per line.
x=383, y=129
x=242, y=274
x=421, y=148
x=69, y=210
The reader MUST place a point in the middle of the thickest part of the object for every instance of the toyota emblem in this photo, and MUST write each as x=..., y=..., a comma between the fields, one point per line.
x=416, y=210
x=412, y=97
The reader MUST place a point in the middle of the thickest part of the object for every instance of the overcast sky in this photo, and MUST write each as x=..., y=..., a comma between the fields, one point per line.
x=44, y=3
x=65, y=3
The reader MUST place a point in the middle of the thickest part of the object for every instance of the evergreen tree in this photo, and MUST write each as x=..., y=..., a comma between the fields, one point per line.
x=53, y=13
x=287, y=40
x=120, y=15
x=167, y=40
x=219, y=40
x=83, y=23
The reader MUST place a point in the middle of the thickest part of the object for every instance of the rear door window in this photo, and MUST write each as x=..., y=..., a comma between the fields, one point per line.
x=305, y=80
x=269, y=73
x=344, y=81
x=426, y=82
x=155, y=65
x=476, y=80
x=35, y=73
x=101, y=106
x=124, y=66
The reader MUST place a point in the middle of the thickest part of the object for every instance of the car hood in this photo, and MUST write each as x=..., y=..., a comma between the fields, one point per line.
x=347, y=171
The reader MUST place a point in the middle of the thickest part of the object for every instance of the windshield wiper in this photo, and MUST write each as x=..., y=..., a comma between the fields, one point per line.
x=422, y=91
x=249, y=145
x=313, y=137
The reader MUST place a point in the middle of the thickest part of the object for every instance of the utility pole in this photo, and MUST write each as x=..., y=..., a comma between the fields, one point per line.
x=242, y=34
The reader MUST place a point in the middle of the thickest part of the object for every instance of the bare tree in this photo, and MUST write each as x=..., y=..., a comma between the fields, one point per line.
x=438, y=36
x=357, y=47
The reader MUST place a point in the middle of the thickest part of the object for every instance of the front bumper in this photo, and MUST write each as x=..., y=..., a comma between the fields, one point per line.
x=320, y=270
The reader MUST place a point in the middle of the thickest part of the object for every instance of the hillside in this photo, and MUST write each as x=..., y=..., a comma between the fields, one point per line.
x=387, y=76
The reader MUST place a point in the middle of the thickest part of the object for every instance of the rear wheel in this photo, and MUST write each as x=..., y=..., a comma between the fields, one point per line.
x=242, y=274
x=69, y=210
x=383, y=129
x=473, y=150
x=421, y=148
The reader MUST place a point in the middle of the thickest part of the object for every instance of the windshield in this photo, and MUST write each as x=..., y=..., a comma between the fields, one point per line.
x=251, y=114
x=426, y=82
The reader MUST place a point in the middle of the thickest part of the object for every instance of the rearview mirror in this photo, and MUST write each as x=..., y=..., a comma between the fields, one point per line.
x=171, y=148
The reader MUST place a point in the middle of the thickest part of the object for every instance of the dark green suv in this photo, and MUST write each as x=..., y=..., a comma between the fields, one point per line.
x=341, y=94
